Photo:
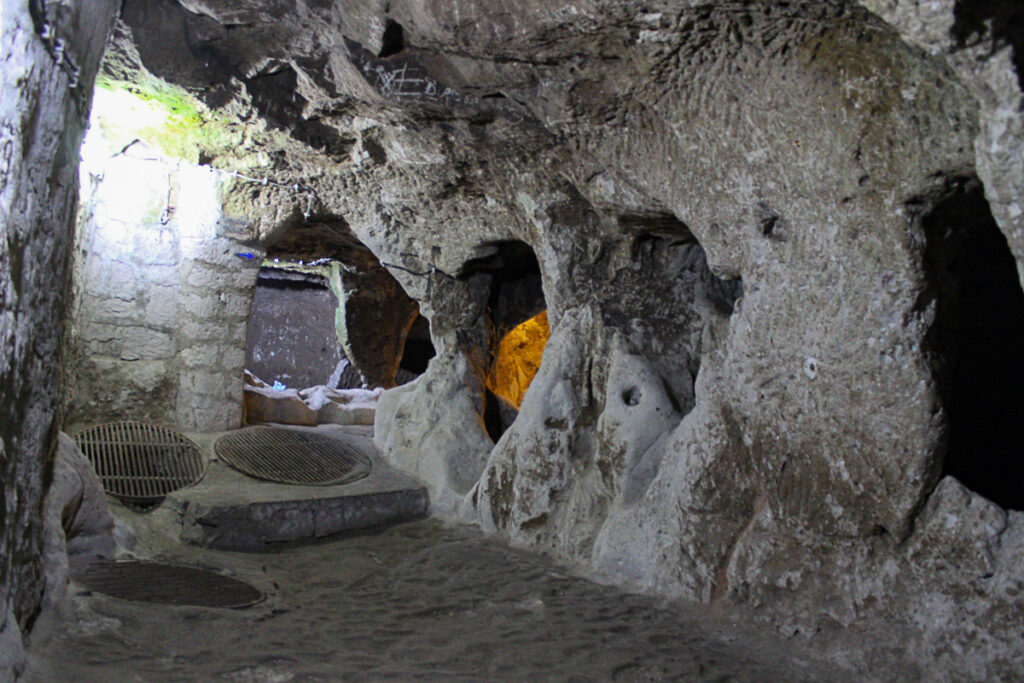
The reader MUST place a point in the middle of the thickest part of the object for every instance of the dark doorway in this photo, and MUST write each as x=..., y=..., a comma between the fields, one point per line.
x=418, y=351
x=983, y=324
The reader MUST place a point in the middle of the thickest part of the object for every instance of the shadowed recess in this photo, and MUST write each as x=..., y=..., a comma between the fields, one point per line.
x=981, y=333
x=518, y=329
x=1000, y=22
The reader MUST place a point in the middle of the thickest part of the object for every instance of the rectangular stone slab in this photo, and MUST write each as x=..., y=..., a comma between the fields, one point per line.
x=231, y=511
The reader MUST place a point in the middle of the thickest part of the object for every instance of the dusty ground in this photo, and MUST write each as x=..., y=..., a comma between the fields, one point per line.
x=419, y=601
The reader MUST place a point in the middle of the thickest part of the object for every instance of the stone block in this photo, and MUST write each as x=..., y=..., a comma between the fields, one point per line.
x=207, y=413
x=236, y=304
x=202, y=306
x=200, y=382
x=287, y=410
x=251, y=521
x=102, y=347
x=205, y=356
x=110, y=279
x=203, y=276
x=216, y=252
x=238, y=332
x=142, y=375
x=162, y=306
x=156, y=246
x=101, y=332
x=201, y=330
x=143, y=343
x=233, y=358
x=163, y=276
x=109, y=309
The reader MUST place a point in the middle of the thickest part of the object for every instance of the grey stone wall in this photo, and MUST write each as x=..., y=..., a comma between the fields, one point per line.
x=44, y=103
x=162, y=298
x=291, y=332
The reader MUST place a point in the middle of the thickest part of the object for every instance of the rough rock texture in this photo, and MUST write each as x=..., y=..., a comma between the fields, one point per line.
x=374, y=318
x=77, y=520
x=736, y=212
x=983, y=42
x=162, y=298
x=44, y=105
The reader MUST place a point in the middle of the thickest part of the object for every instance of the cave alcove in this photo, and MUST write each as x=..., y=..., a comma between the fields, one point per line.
x=980, y=330
x=418, y=351
x=518, y=329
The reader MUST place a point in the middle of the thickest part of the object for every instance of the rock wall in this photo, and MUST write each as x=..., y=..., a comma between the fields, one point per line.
x=49, y=59
x=737, y=216
x=162, y=296
x=374, y=317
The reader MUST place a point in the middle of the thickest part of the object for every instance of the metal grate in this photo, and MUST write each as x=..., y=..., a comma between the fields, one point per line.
x=139, y=462
x=292, y=457
x=167, y=584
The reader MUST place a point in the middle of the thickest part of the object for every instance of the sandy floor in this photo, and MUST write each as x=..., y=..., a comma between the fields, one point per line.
x=419, y=601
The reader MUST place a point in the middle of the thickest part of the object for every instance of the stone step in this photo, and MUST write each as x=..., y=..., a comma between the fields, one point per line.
x=232, y=511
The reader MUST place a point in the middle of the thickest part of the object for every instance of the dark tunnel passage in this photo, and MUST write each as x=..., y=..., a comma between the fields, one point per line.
x=983, y=325
x=418, y=349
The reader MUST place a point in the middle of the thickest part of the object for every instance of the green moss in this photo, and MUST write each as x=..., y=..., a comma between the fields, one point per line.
x=164, y=116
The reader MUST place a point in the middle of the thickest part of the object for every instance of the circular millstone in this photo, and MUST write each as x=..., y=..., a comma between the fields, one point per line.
x=138, y=462
x=167, y=584
x=292, y=457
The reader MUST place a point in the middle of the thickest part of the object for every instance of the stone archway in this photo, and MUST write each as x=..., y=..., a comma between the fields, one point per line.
x=517, y=327
x=374, y=314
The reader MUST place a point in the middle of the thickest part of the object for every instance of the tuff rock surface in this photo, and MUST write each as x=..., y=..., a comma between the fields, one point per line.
x=77, y=521
x=736, y=211
x=49, y=59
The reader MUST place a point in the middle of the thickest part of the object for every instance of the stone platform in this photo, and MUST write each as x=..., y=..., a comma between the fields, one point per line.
x=229, y=510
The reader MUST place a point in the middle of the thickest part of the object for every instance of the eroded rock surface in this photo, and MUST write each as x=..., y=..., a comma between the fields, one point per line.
x=48, y=60
x=732, y=207
x=374, y=318
x=77, y=520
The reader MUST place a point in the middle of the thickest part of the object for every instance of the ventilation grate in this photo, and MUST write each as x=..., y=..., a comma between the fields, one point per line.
x=140, y=463
x=166, y=584
x=292, y=457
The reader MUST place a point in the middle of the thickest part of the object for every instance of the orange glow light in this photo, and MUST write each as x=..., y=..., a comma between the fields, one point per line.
x=518, y=359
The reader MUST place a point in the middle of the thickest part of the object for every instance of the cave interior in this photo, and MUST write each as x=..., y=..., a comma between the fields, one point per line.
x=717, y=305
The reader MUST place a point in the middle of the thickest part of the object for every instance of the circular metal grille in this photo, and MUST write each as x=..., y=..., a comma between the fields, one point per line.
x=292, y=457
x=140, y=462
x=167, y=584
